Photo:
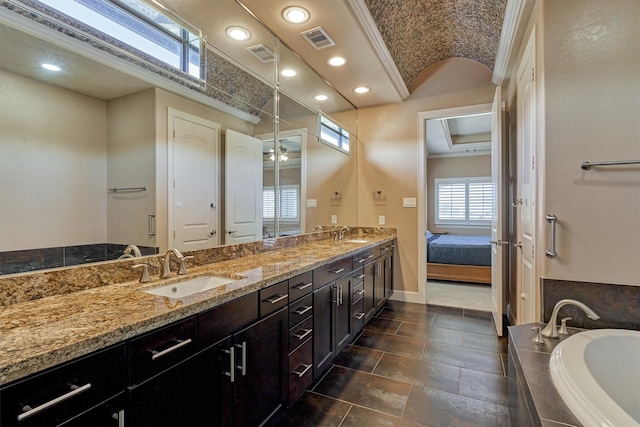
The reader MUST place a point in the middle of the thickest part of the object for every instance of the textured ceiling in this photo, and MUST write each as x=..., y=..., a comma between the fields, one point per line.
x=419, y=33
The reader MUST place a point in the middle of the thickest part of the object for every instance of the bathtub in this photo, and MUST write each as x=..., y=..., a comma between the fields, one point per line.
x=597, y=373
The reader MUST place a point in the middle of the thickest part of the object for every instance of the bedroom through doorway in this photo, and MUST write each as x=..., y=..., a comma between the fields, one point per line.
x=459, y=208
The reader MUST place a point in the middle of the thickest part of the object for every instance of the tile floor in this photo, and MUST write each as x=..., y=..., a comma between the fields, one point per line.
x=413, y=365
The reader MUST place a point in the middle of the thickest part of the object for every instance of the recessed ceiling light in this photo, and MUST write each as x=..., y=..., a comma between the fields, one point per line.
x=337, y=61
x=288, y=72
x=295, y=15
x=50, y=67
x=238, y=33
x=362, y=89
x=321, y=97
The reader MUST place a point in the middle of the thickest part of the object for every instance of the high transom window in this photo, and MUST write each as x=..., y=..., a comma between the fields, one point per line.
x=333, y=134
x=140, y=26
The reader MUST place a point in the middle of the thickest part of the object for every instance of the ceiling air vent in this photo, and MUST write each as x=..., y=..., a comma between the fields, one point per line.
x=318, y=38
x=262, y=53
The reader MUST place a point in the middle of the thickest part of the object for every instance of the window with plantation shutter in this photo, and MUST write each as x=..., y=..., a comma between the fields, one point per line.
x=289, y=203
x=463, y=201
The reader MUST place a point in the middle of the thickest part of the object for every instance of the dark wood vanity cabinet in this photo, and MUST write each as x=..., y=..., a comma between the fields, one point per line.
x=58, y=395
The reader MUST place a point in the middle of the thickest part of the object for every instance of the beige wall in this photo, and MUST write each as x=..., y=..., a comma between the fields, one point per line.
x=592, y=104
x=53, y=173
x=454, y=167
x=388, y=161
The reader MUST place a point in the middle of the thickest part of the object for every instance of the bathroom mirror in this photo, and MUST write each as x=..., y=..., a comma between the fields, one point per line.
x=67, y=117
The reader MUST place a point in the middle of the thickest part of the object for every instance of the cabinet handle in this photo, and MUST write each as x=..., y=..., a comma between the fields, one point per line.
x=157, y=354
x=360, y=277
x=361, y=261
x=340, y=296
x=360, y=292
x=338, y=271
x=304, y=286
x=277, y=298
x=75, y=390
x=304, y=334
x=359, y=316
x=370, y=256
x=303, y=310
x=232, y=364
x=119, y=416
x=306, y=369
x=243, y=362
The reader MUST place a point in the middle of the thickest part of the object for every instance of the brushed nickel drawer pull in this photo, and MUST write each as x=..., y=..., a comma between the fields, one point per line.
x=231, y=373
x=303, y=335
x=361, y=261
x=306, y=369
x=303, y=286
x=156, y=354
x=277, y=298
x=75, y=390
x=359, y=316
x=303, y=310
x=360, y=292
x=360, y=276
x=370, y=256
x=338, y=271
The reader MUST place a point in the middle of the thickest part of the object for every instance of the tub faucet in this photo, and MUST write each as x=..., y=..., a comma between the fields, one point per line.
x=551, y=330
x=166, y=267
x=134, y=249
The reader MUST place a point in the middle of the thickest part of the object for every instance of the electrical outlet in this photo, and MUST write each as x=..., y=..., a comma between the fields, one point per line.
x=409, y=202
x=381, y=220
x=334, y=219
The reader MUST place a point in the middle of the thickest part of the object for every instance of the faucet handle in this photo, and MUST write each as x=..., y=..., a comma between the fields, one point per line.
x=183, y=265
x=538, y=337
x=144, y=277
x=563, y=326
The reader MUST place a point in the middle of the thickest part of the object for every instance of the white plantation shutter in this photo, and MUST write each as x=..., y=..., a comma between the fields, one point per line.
x=463, y=201
x=289, y=203
x=268, y=203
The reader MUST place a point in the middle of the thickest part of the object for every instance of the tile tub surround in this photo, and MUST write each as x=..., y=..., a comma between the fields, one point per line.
x=531, y=361
x=38, y=334
x=617, y=305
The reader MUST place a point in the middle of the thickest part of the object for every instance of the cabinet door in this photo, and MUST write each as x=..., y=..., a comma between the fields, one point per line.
x=369, y=290
x=343, y=313
x=261, y=370
x=187, y=394
x=324, y=301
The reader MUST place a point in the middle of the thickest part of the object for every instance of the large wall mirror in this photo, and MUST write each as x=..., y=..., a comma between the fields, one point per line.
x=88, y=155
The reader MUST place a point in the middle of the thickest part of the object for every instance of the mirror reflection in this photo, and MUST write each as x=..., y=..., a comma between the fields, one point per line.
x=88, y=157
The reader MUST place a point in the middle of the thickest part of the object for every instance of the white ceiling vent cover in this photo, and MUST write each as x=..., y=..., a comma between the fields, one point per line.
x=318, y=38
x=262, y=53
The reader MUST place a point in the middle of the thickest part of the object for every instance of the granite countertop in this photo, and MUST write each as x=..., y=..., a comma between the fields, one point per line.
x=533, y=359
x=39, y=334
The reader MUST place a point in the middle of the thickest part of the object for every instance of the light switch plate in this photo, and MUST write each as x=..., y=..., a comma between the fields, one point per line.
x=312, y=203
x=409, y=202
x=334, y=219
x=381, y=220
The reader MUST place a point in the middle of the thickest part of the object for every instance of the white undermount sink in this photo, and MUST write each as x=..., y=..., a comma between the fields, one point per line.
x=191, y=286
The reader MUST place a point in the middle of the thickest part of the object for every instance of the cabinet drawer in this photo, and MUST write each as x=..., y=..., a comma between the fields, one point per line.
x=162, y=348
x=330, y=272
x=300, y=310
x=300, y=333
x=357, y=316
x=300, y=371
x=357, y=292
x=220, y=322
x=274, y=298
x=387, y=247
x=63, y=392
x=361, y=257
x=358, y=276
x=300, y=286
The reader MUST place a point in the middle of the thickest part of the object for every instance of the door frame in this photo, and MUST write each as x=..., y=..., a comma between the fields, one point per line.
x=421, y=296
x=171, y=114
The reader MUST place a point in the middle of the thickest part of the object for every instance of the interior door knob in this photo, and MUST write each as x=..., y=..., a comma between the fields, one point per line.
x=518, y=245
x=523, y=296
x=212, y=233
x=231, y=231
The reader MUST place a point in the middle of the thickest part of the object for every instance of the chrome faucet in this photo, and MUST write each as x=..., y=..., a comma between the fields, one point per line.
x=342, y=230
x=166, y=267
x=551, y=330
x=134, y=249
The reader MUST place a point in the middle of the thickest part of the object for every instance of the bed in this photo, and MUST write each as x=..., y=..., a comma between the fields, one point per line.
x=459, y=258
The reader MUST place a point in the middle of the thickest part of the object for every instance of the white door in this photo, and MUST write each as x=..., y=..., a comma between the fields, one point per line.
x=193, y=197
x=526, y=186
x=243, y=188
x=497, y=244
